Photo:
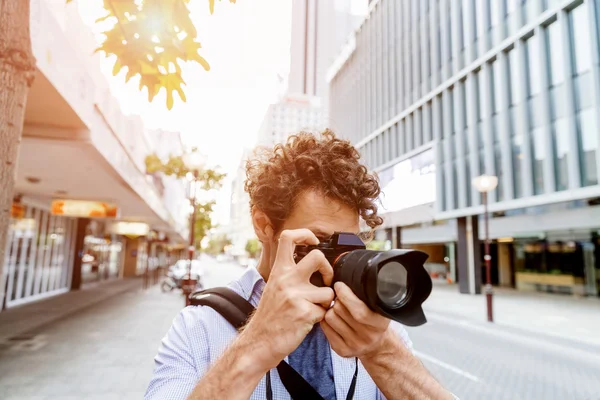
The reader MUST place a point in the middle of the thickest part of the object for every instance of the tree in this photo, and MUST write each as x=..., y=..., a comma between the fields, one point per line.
x=17, y=68
x=203, y=221
x=217, y=245
x=376, y=245
x=253, y=247
x=207, y=179
x=151, y=39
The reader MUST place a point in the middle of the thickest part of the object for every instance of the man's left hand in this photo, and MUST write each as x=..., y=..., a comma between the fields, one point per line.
x=353, y=330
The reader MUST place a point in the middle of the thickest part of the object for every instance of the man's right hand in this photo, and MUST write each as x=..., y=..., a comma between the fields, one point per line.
x=290, y=304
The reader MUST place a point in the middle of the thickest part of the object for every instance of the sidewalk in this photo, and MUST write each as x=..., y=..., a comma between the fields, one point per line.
x=565, y=317
x=103, y=352
x=29, y=317
x=98, y=343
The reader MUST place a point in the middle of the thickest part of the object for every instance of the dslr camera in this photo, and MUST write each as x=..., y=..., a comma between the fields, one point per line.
x=392, y=283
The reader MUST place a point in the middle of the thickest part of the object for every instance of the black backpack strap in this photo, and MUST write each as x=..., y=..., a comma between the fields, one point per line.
x=233, y=307
x=295, y=384
x=236, y=310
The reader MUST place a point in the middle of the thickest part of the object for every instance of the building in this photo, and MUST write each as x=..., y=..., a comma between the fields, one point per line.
x=84, y=210
x=319, y=29
x=240, y=221
x=291, y=114
x=435, y=93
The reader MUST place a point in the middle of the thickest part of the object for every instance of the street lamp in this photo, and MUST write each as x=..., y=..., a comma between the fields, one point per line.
x=485, y=184
x=194, y=162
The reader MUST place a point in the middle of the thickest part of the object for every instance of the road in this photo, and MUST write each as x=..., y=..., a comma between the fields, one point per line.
x=479, y=361
x=106, y=352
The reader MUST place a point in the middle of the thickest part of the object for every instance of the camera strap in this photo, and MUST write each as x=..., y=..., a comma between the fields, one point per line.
x=236, y=310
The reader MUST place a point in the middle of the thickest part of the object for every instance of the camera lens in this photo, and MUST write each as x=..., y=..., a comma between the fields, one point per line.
x=392, y=284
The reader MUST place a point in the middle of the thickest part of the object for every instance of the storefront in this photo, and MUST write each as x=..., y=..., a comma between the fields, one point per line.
x=39, y=255
x=559, y=265
x=101, y=258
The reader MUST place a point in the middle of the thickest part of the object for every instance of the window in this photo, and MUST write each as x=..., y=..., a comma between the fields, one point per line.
x=534, y=83
x=580, y=40
x=481, y=93
x=539, y=155
x=499, y=170
x=494, y=14
x=588, y=133
x=511, y=6
x=561, y=138
x=417, y=129
x=555, y=54
x=449, y=38
x=517, y=149
x=464, y=30
x=481, y=16
x=497, y=87
x=514, y=86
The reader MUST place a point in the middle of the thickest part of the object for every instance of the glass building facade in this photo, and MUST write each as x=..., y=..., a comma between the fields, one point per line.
x=506, y=87
x=41, y=250
x=39, y=256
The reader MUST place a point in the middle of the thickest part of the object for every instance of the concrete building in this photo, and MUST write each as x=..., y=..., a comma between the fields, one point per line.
x=319, y=28
x=78, y=146
x=291, y=114
x=437, y=92
x=240, y=222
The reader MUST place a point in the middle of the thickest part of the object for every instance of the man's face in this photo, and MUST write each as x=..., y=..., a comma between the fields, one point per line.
x=322, y=215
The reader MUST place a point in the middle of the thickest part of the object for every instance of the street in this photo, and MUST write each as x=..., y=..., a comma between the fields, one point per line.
x=107, y=350
x=481, y=362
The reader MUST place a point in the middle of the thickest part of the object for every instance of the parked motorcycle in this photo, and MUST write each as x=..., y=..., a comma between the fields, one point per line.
x=176, y=274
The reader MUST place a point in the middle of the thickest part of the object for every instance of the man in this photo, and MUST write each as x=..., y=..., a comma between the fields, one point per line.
x=300, y=193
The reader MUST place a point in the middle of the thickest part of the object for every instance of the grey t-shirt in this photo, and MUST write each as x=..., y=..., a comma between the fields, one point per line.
x=312, y=360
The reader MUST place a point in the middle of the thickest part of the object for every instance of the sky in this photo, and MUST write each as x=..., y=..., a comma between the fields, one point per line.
x=248, y=47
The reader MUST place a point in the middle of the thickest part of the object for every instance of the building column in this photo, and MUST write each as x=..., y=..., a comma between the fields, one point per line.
x=451, y=250
x=488, y=134
x=398, y=237
x=449, y=184
x=472, y=135
x=505, y=265
x=524, y=123
x=81, y=229
x=594, y=15
x=469, y=255
x=504, y=130
x=568, y=102
x=546, y=111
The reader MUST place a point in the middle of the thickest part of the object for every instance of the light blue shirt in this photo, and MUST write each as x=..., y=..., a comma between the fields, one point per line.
x=199, y=335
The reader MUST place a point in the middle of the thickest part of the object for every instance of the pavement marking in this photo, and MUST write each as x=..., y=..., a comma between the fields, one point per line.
x=447, y=366
x=522, y=339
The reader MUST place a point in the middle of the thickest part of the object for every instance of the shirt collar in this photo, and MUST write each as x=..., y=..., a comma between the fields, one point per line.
x=252, y=285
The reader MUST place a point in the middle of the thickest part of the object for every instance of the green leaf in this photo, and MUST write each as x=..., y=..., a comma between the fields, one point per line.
x=146, y=41
x=101, y=19
x=172, y=83
x=117, y=67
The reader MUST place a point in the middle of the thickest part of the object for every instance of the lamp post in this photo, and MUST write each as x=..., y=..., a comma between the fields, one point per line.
x=194, y=161
x=485, y=184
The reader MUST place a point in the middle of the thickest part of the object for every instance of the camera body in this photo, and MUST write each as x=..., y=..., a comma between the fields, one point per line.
x=392, y=283
x=339, y=244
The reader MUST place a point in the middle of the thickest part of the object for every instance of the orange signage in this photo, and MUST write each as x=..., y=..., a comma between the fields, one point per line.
x=17, y=211
x=84, y=209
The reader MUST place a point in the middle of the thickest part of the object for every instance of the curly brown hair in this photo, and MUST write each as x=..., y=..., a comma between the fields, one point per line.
x=277, y=176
